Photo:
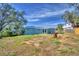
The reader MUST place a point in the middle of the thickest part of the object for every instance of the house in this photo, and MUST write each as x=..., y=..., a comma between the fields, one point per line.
x=68, y=27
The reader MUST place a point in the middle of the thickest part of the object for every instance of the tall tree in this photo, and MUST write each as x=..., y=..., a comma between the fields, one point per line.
x=10, y=16
x=69, y=17
x=72, y=17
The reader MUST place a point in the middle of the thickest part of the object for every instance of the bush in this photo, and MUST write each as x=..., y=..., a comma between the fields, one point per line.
x=11, y=32
x=5, y=33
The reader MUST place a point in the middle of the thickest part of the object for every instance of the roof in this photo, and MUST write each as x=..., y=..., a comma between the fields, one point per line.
x=68, y=26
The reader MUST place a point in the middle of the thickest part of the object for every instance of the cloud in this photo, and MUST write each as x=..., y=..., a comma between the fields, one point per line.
x=58, y=23
x=35, y=17
x=49, y=24
x=48, y=13
x=53, y=24
x=32, y=20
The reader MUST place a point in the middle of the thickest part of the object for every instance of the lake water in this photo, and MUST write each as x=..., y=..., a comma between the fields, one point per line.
x=31, y=31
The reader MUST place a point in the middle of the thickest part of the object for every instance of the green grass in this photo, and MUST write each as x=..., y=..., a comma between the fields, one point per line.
x=48, y=45
x=8, y=44
x=55, y=41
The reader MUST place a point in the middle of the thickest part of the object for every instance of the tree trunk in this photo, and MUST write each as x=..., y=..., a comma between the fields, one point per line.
x=0, y=35
x=55, y=35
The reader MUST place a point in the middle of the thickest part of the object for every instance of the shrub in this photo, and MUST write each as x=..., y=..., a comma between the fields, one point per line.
x=5, y=33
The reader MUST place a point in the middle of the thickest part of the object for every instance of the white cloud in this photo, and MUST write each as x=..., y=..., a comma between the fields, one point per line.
x=58, y=23
x=44, y=13
x=32, y=20
x=49, y=24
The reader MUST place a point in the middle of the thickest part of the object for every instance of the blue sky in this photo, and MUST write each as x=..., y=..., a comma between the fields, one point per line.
x=43, y=14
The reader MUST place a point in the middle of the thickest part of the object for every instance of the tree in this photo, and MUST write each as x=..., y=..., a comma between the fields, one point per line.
x=59, y=28
x=72, y=17
x=11, y=17
x=76, y=20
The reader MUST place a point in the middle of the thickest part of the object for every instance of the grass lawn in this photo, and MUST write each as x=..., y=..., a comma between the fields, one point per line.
x=39, y=45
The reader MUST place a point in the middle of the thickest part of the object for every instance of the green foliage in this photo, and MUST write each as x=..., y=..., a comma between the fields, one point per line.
x=5, y=33
x=69, y=17
x=59, y=28
x=73, y=16
x=11, y=19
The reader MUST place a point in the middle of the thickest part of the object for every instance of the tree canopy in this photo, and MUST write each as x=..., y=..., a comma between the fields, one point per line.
x=73, y=16
x=11, y=20
x=59, y=28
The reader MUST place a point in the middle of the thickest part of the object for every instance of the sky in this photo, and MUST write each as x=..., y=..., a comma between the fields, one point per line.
x=43, y=14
